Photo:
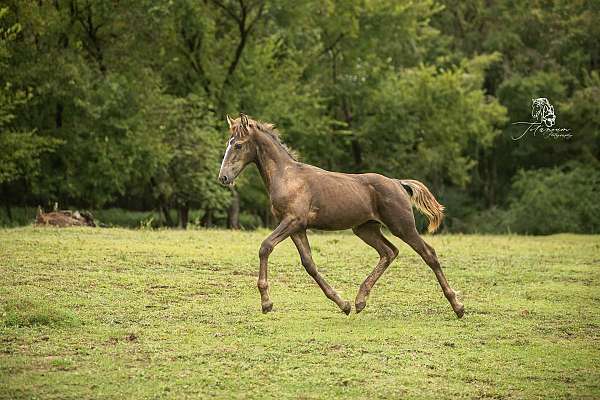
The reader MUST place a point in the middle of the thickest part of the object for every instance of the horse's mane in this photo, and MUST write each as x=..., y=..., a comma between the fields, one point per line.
x=270, y=130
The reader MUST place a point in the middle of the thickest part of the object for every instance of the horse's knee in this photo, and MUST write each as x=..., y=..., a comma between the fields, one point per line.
x=392, y=253
x=431, y=250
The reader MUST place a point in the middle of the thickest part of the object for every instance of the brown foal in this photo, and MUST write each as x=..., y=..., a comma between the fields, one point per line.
x=303, y=196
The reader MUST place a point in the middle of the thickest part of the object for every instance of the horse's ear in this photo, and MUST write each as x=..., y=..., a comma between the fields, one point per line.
x=244, y=128
x=229, y=121
x=244, y=120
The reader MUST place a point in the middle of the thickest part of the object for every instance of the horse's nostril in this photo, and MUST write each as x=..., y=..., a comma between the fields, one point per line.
x=224, y=179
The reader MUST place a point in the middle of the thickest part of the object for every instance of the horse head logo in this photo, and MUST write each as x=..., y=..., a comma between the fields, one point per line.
x=543, y=112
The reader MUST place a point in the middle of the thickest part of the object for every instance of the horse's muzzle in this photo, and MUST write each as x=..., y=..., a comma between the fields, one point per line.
x=224, y=179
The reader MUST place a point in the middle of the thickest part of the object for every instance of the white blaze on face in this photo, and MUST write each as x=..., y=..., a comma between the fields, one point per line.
x=225, y=156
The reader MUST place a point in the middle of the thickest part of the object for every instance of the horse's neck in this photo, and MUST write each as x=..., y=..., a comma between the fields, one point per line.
x=272, y=160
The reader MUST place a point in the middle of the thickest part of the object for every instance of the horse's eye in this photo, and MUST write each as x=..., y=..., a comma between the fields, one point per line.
x=238, y=146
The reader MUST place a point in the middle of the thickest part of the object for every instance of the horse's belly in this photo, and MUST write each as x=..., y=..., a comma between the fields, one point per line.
x=337, y=225
x=343, y=209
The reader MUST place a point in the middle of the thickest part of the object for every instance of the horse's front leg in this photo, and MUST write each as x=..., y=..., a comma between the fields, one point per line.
x=301, y=242
x=285, y=228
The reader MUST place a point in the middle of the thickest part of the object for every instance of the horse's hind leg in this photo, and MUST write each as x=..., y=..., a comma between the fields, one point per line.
x=402, y=225
x=370, y=233
x=428, y=255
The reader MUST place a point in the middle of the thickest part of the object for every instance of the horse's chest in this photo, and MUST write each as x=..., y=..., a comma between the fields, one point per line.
x=279, y=201
x=286, y=201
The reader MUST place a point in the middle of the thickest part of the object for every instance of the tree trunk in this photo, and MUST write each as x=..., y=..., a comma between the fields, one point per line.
x=165, y=212
x=207, y=219
x=357, y=153
x=184, y=212
x=356, y=148
x=233, y=213
x=493, y=182
x=8, y=212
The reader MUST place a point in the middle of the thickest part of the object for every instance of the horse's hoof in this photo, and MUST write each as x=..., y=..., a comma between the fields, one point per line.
x=267, y=307
x=360, y=306
x=460, y=310
x=347, y=308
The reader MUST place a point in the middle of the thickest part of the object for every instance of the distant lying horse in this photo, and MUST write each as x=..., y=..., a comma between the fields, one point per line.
x=303, y=196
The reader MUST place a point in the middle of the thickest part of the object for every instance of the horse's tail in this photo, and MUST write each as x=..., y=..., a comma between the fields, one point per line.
x=424, y=201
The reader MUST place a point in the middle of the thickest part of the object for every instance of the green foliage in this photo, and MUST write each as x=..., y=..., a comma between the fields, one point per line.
x=123, y=218
x=17, y=216
x=582, y=114
x=21, y=149
x=556, y=200
x=122, y=104
x=491, y=220
x=20, y=154
x=192, y=154
x=250, y=221
x=424, y=122
x=105, y=145
x=517, y=91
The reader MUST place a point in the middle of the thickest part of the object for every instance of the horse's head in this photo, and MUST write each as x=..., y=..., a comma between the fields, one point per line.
x=543, y=111
x=241, y=149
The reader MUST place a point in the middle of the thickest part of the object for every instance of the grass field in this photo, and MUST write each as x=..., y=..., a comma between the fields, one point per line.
x=112, y=313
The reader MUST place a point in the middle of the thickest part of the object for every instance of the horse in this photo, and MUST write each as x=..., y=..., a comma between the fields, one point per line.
x=304, y=197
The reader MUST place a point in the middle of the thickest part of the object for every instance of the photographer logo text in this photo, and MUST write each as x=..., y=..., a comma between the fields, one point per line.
x=544, y=119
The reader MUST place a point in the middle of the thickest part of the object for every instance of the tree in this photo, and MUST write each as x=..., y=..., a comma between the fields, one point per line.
x=122, y=103
x=21, y=148
x=186, y=176
x=425, y=123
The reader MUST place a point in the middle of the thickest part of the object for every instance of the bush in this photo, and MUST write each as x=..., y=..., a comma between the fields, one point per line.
x=250, y=221
x=459, y=206
x=19, y=216
x=126, y=218
x=555, y=200
x=492, y=220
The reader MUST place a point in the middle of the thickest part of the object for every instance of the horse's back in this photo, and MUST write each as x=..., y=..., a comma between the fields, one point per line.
x=337, y=201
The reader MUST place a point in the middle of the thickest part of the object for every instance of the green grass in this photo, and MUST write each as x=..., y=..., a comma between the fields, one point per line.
x=112, y=313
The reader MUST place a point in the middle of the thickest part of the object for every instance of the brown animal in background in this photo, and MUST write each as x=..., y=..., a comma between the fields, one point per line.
x=303, y=196
x=63, y=218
